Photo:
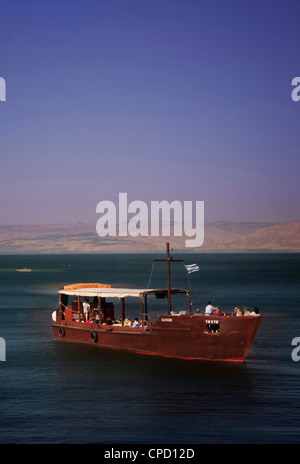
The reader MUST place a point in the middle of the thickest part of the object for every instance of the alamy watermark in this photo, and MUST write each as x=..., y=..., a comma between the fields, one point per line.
x=2, y=89
x=137, y=219
x=296, y=351
x=296, y=91
x=2, y=349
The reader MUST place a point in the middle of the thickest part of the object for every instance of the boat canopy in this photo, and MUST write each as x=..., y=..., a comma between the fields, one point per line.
x=115, y=292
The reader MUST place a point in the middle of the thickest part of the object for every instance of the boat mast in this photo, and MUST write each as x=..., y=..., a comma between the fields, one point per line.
x=169, y=277
x=169, y=259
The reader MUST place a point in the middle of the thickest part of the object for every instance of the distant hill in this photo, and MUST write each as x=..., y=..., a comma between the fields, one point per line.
x=83, y=238
x=251, y=237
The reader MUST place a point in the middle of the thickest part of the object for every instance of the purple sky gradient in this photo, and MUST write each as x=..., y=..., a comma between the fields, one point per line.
x=164, y=100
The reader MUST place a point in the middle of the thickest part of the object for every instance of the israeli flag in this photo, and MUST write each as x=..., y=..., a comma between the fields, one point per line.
x=191, y=268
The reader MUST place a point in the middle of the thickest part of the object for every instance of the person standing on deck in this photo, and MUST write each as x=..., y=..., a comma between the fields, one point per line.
x=209, y=309
x=86, y=308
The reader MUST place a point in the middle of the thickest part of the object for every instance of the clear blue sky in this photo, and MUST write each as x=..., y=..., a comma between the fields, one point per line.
x=164, y=100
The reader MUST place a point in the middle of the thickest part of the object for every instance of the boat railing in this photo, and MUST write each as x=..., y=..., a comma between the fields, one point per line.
x=150, y=319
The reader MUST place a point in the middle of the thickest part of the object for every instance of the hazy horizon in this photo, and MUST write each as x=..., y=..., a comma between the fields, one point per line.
x=53, y=223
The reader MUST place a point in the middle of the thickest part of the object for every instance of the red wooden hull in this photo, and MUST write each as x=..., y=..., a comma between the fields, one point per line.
x=225, y=338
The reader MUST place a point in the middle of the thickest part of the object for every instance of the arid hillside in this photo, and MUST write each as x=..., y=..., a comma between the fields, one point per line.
x=83, y=238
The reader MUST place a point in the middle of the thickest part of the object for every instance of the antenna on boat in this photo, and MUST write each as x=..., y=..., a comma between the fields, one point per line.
x=168, y=260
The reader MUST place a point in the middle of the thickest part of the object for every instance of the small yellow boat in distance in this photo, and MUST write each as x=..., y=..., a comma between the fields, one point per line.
x=25, y=269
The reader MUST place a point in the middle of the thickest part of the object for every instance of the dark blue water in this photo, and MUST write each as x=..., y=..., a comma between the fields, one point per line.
x=54, y=392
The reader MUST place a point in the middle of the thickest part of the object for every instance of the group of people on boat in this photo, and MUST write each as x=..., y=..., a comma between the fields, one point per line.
x=128, y=323
x=211, y=310
x=89, y=314
x=247, y=312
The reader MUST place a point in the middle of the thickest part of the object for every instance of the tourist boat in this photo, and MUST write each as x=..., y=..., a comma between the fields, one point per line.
x=181, y=335
x=25, y=269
